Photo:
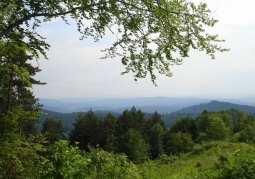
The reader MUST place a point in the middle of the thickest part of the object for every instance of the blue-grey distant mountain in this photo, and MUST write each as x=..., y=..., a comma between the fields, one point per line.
x=146, y=104
x=68, y=118
x=193, y=111
x=216, y=106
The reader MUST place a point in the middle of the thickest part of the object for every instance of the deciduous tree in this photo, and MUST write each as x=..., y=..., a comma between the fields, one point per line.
x=178, y=142
x=185, y=125
x=150, y=35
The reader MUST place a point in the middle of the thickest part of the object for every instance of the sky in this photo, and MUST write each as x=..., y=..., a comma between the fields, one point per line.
x=74, y=68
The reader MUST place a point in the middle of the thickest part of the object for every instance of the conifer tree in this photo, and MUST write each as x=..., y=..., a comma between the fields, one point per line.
x=53, y=130
x=133, y=145
x=131, y=119
x=156, y=140
x=15, y=94
x=19, y=151
x=87, y=130
x=109, y=131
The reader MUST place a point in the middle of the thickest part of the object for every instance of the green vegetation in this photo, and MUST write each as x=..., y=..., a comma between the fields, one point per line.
x=216, y=159
x=52, y=130
x=151, y=35
x=212, y=145
x=127, y=146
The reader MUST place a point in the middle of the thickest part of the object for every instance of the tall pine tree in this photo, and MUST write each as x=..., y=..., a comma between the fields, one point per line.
x=15, y=94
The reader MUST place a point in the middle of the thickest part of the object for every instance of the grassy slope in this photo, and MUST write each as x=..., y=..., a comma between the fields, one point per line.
x=199, y=163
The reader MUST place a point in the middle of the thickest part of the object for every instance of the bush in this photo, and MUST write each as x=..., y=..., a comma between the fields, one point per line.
x=64, y=162
x=239, y=166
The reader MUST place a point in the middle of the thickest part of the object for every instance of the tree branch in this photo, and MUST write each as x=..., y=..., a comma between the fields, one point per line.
x=172, y=12
x=26, y=18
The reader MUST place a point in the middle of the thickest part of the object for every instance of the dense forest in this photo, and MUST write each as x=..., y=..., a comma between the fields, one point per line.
x=148, y=138
x=168, y=118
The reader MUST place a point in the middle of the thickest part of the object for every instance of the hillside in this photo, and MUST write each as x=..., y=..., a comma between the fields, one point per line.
x=216, y=159
x=196, y=110
x=68, y=118
x=169, y=118
x=216, y=106
x=146, y=104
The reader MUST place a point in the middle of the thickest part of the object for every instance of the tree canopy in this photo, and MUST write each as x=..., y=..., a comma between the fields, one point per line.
x=151, y=35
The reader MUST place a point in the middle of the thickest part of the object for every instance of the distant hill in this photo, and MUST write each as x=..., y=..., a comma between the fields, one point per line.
x=216, y=106
x=169, y=118
x=162, y=105
x=146, y=104
x=68, y=118
x=195, y=110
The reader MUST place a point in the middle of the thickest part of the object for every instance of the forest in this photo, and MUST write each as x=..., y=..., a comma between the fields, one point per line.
x=131, y=145
x=212, y=145
x=141, y=139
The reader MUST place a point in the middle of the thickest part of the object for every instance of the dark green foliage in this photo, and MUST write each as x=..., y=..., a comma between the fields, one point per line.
x=237, y=116
x=69, y=118
x=109, y=132
x=156, y=141
x=170, y=119
x=213, y=126
x=19, y=110
x=29, y=128
x=203, y=122
x=20, y=157
x=178, y=143
x=16, y=80
x=217, y=129
x=87, y=130
x=243, y=126
x=131, y=119
x=185, y=125
x=133, y=145
x=156, y=118
x=53, y=130
x=248, y=134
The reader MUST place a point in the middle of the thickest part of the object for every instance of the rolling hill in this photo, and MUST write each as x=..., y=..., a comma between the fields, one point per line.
x=169, y=118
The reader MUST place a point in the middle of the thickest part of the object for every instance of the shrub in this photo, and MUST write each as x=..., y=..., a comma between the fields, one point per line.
x=239, y=166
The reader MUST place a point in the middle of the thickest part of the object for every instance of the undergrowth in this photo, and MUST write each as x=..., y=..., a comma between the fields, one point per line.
x=209, y=160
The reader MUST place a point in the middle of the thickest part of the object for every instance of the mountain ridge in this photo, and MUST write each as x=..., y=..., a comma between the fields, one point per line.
x=148, y=104
x=169, y=118
x=215, y=105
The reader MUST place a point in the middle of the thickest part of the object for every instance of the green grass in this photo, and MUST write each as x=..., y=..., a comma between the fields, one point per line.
x=201, y=162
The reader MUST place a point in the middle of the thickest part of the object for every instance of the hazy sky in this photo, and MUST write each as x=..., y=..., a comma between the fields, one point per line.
x=76, y=70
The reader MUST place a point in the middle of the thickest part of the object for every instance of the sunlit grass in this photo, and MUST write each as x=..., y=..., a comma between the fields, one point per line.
x=199, y=163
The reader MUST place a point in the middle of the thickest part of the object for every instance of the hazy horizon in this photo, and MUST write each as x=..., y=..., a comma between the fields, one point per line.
x=131, y=97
